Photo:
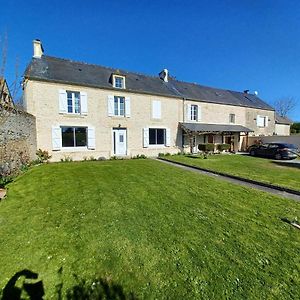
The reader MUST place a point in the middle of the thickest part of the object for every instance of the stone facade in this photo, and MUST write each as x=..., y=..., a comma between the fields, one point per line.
x=17, y=139
x=41, y=99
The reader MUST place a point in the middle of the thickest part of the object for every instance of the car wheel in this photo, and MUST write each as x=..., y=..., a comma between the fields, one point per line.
x=278, y=156
x=252, y=153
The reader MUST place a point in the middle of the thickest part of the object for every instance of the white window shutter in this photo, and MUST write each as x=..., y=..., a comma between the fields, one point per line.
x=168, y=137
x=146, y=137
x=63, y=102
x=127, y=107
x=188, y=112
x=260, y=121
x=266, y=121
x=110, y=105
x=83, y=103
x=56, y=138
x=199, y=113
x=91, y=138
x=156, y=109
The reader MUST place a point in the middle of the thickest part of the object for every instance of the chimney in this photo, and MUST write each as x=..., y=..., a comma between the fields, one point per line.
x=246, y=91
x=164, y=75
x=38, y=50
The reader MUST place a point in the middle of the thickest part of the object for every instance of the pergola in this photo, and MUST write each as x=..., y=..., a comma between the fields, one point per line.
x=192, y=129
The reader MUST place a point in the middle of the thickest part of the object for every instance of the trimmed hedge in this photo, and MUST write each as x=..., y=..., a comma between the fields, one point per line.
x=222, y=147
x=208, y=147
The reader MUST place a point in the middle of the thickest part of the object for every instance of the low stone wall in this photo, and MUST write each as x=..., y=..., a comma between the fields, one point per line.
x=17, y=139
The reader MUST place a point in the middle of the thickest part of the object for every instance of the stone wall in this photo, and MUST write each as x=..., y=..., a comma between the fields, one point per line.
x=17, y=139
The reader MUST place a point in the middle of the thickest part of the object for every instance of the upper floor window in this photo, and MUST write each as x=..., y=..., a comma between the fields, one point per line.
x=119, y=106
x=262, y=121
x=73, y=102
x=194, y=112
x=232, y=118
x=119, y=82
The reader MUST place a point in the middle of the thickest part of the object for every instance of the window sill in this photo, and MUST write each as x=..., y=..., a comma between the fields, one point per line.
x=69, y=115
x=74, y=149
x=161, y=146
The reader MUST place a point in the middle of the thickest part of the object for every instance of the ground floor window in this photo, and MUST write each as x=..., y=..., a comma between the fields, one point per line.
x=74, y=136
x=157, y=136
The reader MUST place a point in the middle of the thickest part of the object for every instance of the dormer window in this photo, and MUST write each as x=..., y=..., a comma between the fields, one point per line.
x=119, y=82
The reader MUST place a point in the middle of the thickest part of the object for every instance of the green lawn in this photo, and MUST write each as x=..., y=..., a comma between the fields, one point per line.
x=149, y=229
x=260, y=169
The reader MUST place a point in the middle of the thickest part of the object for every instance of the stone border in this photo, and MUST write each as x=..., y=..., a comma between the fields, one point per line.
x=268, y=185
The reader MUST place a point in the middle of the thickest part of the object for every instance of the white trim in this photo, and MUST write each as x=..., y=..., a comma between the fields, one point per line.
x=114, y=81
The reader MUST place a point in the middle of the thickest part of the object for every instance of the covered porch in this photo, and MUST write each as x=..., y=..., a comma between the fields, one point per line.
x=200, y=133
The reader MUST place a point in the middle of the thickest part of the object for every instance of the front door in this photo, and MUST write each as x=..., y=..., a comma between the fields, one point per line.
x=119, y=141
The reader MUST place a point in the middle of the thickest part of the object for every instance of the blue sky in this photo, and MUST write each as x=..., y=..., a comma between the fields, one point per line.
x=228, y=44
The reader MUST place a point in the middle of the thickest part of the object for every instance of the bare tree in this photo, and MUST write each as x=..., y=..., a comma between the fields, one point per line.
x=285, y=105
x=3, y=49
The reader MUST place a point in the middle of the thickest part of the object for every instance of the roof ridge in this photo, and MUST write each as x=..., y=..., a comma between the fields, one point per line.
x=143, y=74
x=101, y=66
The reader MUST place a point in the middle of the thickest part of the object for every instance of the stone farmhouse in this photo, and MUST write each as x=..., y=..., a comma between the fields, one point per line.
x=85, y=110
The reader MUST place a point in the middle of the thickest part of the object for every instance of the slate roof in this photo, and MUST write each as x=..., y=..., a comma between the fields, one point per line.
x=196, y=127
x=282, y=120
x=55, y=69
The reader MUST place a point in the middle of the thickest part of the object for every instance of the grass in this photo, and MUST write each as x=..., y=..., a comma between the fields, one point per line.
x=149, y=229
x=260, y=169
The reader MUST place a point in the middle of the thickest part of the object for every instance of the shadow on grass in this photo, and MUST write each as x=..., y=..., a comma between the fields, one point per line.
x=33, y=290
x=290, y=164
x=97, y=289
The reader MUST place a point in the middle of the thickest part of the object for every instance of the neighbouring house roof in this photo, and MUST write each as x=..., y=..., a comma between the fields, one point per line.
x=54, y=69
x=5, y=96
x=213, y=128
x=282, y=120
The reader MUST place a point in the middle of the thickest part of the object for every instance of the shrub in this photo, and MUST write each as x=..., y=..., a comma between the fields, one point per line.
x=208, y=147
x=139, y=156
x=43, y=155
x=223, y=147
x=4, y=180
x=66, y=158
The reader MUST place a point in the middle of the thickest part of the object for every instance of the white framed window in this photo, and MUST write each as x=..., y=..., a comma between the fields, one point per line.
x=119, y=106
x=73, y=137
x=262, y=121
x=232, y=118
x=194, y=113
x=119, y=82
x=73, y=99
x=156, y=137
x=156, y=109
x=72, y=102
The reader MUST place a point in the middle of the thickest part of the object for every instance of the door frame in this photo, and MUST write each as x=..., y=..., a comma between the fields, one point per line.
x=114, y=141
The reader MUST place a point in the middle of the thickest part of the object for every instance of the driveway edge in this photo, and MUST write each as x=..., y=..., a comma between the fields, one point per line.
x=268, y=185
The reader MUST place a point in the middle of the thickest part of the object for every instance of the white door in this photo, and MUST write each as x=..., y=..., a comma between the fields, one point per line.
x=119, y=141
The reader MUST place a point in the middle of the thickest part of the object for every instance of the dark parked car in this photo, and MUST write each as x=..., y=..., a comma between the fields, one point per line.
x=275, y=150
